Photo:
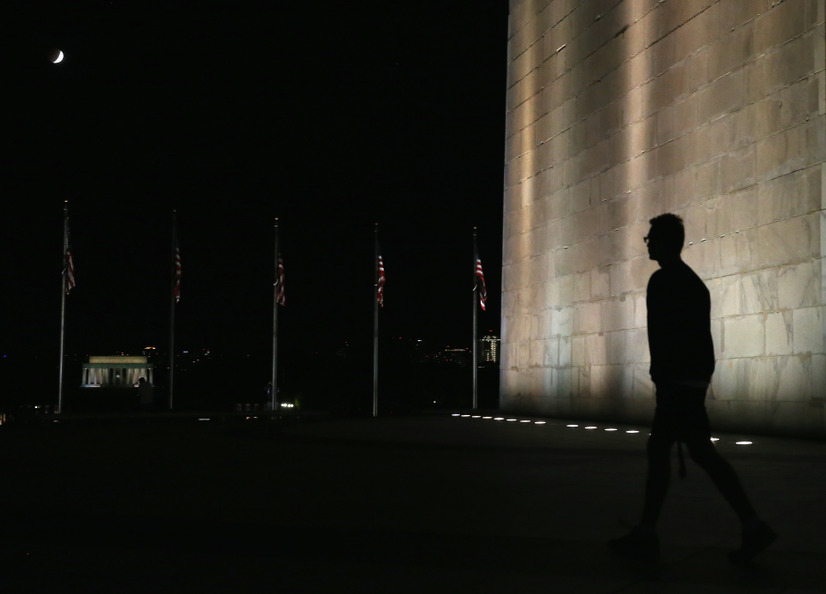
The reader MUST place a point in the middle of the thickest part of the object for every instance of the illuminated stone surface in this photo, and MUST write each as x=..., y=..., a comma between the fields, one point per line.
x=620, y=111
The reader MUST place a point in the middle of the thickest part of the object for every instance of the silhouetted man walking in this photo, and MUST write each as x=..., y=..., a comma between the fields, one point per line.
x=682, y=361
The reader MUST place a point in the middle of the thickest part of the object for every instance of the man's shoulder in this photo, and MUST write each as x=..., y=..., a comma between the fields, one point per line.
x=658, y=277
x=680, y=276
x=689, y=273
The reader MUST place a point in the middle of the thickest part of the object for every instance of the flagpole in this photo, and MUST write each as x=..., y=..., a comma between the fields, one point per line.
x=475, y=357
x=376, y=325
x=275, y=290
x=63, y=301
x=172, y=313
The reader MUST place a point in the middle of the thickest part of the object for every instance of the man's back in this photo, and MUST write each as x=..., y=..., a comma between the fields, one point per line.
x=679, y=326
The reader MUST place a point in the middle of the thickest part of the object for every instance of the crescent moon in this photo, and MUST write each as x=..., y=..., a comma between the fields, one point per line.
x=58, y=57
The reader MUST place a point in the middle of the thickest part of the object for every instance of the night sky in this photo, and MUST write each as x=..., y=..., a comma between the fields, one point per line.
x=328, y=115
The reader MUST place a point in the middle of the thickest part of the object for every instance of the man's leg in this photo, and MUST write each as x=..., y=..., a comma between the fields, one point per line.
x=756, y=535
x=705, y=454
x=642, y=541
x=658, y=478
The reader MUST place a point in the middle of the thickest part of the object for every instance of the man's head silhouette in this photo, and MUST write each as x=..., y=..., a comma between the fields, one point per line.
x=666, y=238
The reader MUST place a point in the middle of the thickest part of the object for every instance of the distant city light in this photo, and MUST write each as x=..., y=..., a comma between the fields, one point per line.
x=572, y=426
x=539, y=422
x=743, y=442
x=590, y=427
x=632, y=431
x=610, y=429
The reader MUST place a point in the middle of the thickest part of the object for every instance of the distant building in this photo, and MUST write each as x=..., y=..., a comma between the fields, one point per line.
x=456, y=356
x=451, y=356
x=119, y=371
x=489, y=349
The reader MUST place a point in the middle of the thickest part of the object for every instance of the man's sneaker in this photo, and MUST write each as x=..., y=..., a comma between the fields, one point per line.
x=643, y=544
x=754, y=539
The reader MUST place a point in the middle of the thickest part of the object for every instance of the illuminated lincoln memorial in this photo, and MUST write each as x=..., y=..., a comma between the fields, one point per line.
x=119, y=371
x=620, y=111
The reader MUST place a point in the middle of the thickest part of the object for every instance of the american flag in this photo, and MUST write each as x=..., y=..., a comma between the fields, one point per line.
x=177, y=290
x=380, y=283
x=70, y=263
x=480, y=284
x=279, y=291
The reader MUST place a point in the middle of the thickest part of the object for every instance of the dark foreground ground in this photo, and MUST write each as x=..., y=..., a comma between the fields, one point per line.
x=432, y=503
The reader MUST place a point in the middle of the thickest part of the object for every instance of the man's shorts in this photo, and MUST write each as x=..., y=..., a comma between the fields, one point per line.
x=681, y=414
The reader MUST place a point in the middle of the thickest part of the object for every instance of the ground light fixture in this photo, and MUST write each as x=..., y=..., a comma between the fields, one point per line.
x=742, y=442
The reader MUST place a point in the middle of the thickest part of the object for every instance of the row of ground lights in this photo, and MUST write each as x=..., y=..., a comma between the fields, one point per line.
x=569, y=426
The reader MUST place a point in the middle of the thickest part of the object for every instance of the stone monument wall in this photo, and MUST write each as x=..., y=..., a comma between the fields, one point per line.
x=620, y=110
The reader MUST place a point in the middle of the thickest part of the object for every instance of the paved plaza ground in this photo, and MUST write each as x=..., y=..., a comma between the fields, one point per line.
x=427, y=503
